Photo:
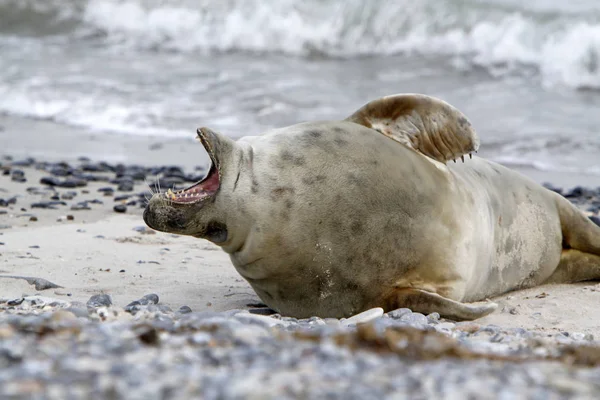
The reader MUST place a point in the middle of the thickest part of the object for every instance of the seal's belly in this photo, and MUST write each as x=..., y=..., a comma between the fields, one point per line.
x=518, y=242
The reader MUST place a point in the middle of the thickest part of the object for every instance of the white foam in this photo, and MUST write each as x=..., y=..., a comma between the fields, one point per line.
x=89, y=112
x=560, y=46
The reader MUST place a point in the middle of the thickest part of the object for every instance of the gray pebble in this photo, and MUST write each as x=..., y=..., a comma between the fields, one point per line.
x=398, y=313
x=414, y=318
x=184, y=310
x=15, y=302
x=99, y=300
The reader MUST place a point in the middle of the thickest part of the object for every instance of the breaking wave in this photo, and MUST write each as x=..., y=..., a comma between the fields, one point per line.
x=505, y=37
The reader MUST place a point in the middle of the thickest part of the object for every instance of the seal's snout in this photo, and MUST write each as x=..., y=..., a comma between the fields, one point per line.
x=161, y=216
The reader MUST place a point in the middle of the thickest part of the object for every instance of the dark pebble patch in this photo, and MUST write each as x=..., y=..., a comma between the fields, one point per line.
x=48, y=204
x=120, y=208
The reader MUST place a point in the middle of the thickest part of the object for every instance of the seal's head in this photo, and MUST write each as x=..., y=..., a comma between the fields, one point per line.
x=195, y=211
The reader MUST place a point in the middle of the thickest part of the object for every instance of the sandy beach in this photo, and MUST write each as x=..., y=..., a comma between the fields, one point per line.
x=99, y=104
x=98, y=250
x=77, y=263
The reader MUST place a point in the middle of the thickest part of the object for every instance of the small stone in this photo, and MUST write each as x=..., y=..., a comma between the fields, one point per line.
x=33, y=218
x=99, y=300
x=595, y=220
x=106, y=189
x=15, y=302
x=149, y=299
x=70, y=218
x=50, y=180
x=184, y=310
x=68, y=195
x=122, y=270
x=258, y=319
x=364, y=317
x=82, y=205
x=433, y=316
x=125, y=186
x=120, y=208
x=164, y=308
x=72, y=183
x=445, y=326
x=414, y=318
x=398, y=313
x=48, y=204
x=122, y=197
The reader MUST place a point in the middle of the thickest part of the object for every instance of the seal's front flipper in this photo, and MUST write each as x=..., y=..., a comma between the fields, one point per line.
x=423, y=123
x=427, y=302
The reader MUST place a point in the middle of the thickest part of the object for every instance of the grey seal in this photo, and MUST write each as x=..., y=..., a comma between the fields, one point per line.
x=331, y=218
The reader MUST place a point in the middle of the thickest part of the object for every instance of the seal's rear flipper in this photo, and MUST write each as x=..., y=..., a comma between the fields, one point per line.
x=576, y=266
x=427, y=302
x=423, y=123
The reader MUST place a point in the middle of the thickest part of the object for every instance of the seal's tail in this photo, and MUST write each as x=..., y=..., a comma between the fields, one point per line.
x=580, y=258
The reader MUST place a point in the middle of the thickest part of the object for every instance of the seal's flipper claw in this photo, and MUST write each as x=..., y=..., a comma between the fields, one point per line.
x=470, y=156
x=423, y=123
x=454, y=161
x=427, y=302
x=462, y=158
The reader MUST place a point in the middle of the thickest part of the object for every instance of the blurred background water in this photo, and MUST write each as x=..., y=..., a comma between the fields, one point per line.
x=527, y=74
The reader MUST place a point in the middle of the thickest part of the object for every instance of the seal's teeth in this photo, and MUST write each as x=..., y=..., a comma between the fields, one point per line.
x=462, y=158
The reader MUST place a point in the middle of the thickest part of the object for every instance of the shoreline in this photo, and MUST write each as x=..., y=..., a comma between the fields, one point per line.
x=55, y=142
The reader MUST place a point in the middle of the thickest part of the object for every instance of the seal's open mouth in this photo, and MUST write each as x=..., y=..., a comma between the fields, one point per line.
x=207, y=187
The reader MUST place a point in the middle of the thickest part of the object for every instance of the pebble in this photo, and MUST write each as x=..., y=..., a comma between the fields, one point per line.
x=15, y=302
x=48, y=204
x=82, y=205
x=120, y=208
x=398, y=313
x=68, y=195
x=364, y=317
x=125, y=186
x=99, y=300
x=185, y=310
